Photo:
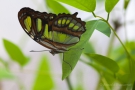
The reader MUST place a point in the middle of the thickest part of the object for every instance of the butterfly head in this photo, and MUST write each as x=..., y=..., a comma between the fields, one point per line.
x=37, y=38
x=56, y=51
x=49, y=17
x=53, y=52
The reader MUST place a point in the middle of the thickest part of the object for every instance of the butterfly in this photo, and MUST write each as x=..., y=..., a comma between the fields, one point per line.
x=56, y=32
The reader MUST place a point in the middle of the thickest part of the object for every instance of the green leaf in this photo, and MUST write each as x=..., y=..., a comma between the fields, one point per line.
x=71, y=57
x=15, y=53
x=104, y=28
x=126, y=2
x=108, y=79
x=4, y=63
x=69, y=61
x=4, y=74
x=56, y=7
x=85, y=5
x=44, y=79
x=124, y=74
x=88, y=48
x=105, y=61
x=104, y=73
x=109, y=5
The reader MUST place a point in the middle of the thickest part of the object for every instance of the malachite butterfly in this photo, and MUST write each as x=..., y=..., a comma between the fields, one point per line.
x=56, y=32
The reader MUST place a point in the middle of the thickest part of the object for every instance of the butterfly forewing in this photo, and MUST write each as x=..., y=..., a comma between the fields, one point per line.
x=56, y=32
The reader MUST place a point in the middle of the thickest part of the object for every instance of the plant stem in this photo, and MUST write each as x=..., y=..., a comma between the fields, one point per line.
x=113, y=32
x=131, y=61
x=108, y=16
x=118, y=38
x=102, y=78
x=99, y=84
x=97, y=16
x=94, y=14
x=69, y=83
x=110, y=45
x=106, y=85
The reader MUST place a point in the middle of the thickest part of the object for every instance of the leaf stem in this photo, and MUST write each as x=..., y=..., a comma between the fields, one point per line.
x=131, y=61
x=94, y=14
x=98, y=16
x=114, y=33
x=69, y=83
x=119, y=40
x=108, y=16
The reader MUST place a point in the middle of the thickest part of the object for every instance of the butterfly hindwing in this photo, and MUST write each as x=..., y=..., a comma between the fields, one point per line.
x=56, y=32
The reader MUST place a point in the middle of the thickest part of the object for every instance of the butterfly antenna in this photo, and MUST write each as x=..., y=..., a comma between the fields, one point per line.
x=39, y=51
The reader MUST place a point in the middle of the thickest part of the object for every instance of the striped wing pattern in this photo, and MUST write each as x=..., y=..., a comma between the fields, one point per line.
x=56, y=32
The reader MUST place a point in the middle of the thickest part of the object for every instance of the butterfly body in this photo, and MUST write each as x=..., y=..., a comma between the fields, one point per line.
x=56, y=32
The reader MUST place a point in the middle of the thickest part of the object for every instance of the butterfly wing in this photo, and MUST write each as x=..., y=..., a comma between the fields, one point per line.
x=35, y=24
x=54, y=32
x=68, y=28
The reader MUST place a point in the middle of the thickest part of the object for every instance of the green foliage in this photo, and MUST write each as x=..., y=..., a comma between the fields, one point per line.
x=5, y=74
x=104, y=61
x=124, y=74
x=4, y=63
x=109, y=5
x=126, y=2
x=44, y=79
x=104, y=28
x=107, y=77
x=56, y=7
x=85, y=5
x=15, y=53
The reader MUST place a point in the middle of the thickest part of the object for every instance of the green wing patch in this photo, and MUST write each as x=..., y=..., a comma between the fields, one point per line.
x=39, y=24
x=27, y=23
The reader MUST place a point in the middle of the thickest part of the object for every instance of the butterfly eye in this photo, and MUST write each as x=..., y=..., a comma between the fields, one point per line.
x=51, y=17
x=36, y=38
